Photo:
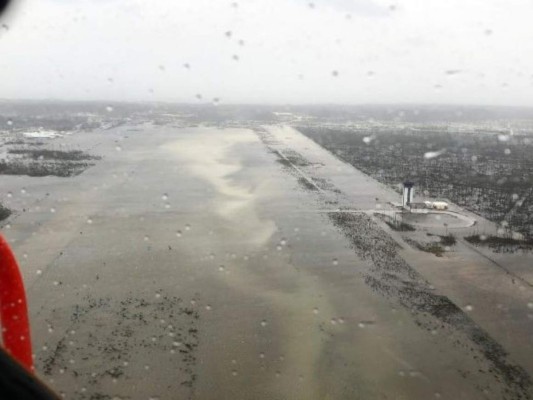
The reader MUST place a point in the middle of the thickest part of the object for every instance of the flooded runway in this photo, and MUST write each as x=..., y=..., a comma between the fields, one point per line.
x=193, y=263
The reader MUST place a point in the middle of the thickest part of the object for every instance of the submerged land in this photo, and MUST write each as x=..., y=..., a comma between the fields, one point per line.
x=207, y=252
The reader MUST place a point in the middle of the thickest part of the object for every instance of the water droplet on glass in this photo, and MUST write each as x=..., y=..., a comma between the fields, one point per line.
x=335, y=73
x=264, y=323
x=335, y=261
x=109, y=108
x=39, y=271
x=469, y=307
x=187, y=227
x=433, y=154
x=451, y=72
x=368, y=139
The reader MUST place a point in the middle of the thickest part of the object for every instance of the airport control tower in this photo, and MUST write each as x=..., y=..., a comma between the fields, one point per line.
x=408, y=193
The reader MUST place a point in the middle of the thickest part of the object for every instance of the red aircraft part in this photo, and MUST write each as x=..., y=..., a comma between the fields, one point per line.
x=13, y=308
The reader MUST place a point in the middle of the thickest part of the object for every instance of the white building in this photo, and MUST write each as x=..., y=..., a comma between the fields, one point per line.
x=436, y=205
x=440, y=205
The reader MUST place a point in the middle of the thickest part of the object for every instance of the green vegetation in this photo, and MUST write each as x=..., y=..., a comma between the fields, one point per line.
x=60, y=155
x=437, y=248
x=61, y=169
x=501, y=244
x=434, y=248
x=4, y=212
x=446, y=240
x=306, y=184
x=396, y=224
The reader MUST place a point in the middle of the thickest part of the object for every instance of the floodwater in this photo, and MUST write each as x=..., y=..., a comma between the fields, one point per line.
x=191, y=263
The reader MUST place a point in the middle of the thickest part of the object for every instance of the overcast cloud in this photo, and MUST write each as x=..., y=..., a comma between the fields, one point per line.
x=275, y=51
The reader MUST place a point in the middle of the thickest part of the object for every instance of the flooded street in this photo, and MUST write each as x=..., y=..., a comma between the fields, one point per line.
x=193, y=263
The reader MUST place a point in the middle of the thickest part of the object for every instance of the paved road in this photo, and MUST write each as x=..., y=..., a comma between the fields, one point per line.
x=190, y=263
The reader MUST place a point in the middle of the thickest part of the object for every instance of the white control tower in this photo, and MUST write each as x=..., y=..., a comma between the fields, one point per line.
x=408, y=193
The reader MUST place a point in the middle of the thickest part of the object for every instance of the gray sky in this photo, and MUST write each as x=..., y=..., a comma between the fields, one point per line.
x=276, y=51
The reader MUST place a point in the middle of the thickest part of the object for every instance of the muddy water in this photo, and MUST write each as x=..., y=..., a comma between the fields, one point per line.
x=206, y=273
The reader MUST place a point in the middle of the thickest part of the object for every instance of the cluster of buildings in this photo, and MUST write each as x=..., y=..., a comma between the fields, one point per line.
x=409, y=203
